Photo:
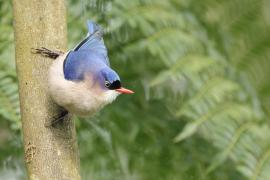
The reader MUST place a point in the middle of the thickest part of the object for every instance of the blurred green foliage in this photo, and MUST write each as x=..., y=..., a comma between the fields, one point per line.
x=200, y=72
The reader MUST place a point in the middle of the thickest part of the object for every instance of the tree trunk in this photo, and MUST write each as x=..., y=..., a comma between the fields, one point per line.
x=50, y=152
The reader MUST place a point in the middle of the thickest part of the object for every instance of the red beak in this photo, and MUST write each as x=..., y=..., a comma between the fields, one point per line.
x=124, y=91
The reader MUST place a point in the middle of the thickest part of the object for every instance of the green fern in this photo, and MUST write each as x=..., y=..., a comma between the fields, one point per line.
x=219, y=109
x=203, y=67
x=192, y=53
x=8, y=84
x=9, y=100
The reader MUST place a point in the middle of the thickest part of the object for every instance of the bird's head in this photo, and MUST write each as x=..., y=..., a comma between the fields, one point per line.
x=109, y=80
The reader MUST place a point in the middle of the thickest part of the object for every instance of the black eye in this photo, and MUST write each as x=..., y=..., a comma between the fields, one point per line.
x=107, y=84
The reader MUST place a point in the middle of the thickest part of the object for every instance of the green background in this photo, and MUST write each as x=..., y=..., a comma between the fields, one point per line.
x=200, y=70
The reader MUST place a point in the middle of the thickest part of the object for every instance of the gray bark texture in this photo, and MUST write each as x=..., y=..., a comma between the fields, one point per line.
x=51, y=153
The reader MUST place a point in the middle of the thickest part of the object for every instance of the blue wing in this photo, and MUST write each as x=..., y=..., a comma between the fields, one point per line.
x=94, y=42
x=77, y=63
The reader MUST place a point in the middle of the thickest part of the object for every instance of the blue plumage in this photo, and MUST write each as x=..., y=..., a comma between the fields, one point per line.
x=90, y=59
x=89, y=56
x=78, y=63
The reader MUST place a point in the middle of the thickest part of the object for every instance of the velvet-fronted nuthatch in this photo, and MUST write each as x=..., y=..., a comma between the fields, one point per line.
x=81, y=80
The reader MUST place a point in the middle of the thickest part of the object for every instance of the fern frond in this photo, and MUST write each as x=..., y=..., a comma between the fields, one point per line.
x=9, y=100
x=214, y=106
x=200, y=59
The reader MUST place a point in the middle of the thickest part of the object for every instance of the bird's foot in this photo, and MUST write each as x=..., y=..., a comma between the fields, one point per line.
x=58, y=118
x=47, y=52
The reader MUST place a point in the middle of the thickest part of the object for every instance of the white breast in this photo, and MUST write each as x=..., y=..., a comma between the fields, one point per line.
x=79, y=98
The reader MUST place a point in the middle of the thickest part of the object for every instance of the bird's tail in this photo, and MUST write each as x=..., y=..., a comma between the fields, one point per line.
x=93, y=27
x=93, y=39
x=53, y=54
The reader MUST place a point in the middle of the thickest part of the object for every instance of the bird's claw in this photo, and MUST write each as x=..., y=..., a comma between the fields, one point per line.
x=58, y=118
x=47, y=52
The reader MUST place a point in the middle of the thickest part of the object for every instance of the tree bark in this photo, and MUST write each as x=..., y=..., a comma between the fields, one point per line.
x=50, y=152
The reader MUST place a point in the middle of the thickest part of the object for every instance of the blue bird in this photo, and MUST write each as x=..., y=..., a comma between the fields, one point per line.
x=81, y=80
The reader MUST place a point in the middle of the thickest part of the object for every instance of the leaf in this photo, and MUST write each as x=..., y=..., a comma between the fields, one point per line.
x=188, y=131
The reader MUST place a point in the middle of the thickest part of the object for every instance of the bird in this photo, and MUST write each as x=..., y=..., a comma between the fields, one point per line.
x=81, y=80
